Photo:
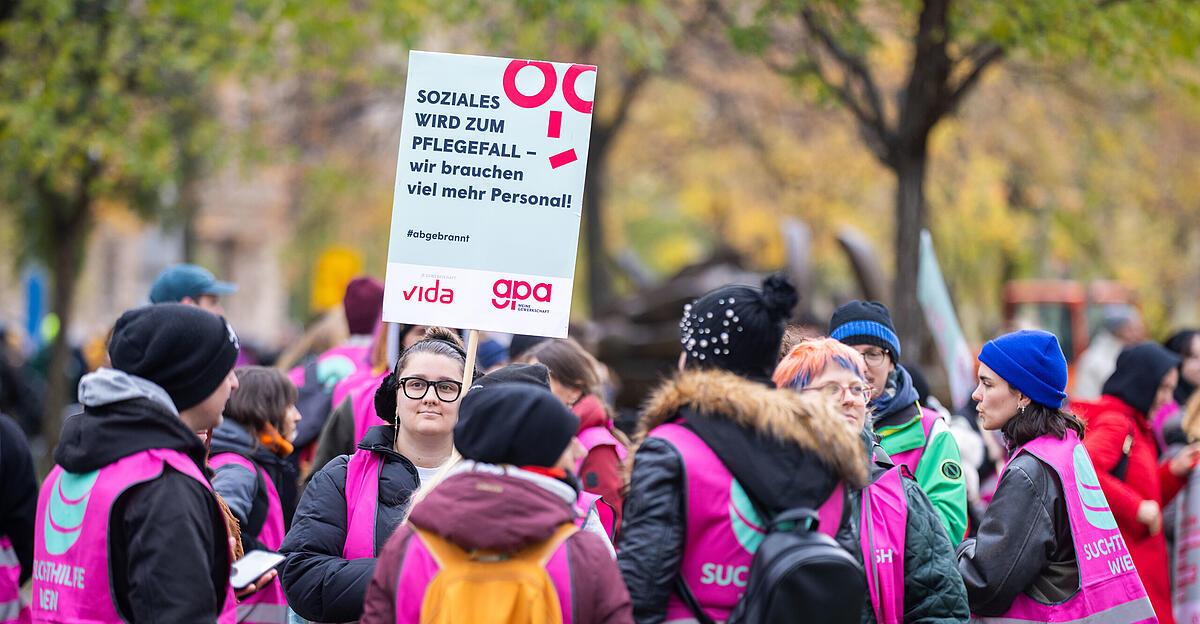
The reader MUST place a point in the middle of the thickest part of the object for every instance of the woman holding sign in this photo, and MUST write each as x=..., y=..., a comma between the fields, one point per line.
x=1048, y=548
x=353, y=504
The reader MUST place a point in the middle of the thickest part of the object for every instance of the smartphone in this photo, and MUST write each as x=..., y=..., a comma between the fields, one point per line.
x=251, y=567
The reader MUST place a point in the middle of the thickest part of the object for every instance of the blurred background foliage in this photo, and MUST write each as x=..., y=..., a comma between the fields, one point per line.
x=1055, y=138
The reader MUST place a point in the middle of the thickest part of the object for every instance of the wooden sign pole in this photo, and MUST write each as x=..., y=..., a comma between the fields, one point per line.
x=469, y=365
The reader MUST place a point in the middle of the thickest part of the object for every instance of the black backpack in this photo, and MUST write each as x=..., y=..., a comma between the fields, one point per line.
x=797, y=574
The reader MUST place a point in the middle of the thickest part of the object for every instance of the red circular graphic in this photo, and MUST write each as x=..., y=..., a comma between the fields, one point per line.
x=530, y=101
x=573, y=99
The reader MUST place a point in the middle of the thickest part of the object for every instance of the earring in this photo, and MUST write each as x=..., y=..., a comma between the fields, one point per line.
x=1021, y=410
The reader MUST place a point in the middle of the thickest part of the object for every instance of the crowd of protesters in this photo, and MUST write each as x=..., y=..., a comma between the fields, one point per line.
x=775, y=476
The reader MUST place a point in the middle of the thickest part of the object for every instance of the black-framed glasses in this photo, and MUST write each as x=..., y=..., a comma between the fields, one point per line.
x=416, y=388
x=834, y=391
x=874, y=357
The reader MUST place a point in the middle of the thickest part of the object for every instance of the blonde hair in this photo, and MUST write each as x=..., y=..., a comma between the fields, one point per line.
x=1191, y=417
x=328, y=332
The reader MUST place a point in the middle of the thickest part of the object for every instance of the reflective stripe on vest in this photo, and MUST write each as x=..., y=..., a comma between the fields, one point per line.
x=262, y=613
x=12, y=609
x=1110, y=590
x=362, y=503
x=420, y=567
x=261, y=607
x=71, y=581
x=723, y=529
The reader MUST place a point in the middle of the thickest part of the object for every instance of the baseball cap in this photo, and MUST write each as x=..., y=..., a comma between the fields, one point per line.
x=187, y=280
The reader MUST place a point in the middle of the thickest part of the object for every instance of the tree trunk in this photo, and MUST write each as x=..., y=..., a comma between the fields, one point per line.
x=910, y=220
x=599, y=276
x=65, y=266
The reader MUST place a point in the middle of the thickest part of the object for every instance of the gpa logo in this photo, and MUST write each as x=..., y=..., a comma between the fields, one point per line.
x=510, y=294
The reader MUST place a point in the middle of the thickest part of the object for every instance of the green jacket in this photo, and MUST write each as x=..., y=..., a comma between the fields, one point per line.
x=939, y=469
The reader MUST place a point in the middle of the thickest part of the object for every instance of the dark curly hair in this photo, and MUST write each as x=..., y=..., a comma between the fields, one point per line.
x=1037, y=420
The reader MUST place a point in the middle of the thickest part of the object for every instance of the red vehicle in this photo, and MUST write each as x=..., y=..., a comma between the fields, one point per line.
x=1064, y=307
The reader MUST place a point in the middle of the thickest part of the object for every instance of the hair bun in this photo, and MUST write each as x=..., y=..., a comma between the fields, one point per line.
x=444, y=334
x=779, y=296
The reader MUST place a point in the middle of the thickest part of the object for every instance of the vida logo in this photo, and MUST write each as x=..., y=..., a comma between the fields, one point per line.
x=430, y=294
x=509, y=292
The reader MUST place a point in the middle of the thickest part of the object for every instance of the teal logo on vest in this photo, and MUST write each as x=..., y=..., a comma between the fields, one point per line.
x=64, y=515
x=1095, y=505
x=747, y=524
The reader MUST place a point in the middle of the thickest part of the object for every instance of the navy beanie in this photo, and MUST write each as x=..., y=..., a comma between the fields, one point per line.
x=514, y=423
x=865, y=323
x=1031, y=361
x=185, y=350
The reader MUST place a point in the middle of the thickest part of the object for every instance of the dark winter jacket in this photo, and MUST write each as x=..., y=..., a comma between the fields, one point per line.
x=18, y=493
x=244, y=491
x=933, y=588
x=168, y=545
x=1024, y=544
x=783, y=451
x=320, y=585
x=476, y=507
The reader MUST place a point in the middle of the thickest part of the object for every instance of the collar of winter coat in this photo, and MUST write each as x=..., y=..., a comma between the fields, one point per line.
x=766, y=414
x=499, y=508
x=898, y=403
x=1109, y=403
x=123, y=414
x=590, y=411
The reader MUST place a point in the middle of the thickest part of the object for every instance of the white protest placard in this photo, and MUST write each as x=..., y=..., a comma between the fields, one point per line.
x=489, y=193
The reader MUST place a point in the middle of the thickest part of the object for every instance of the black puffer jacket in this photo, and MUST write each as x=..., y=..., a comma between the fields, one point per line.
x=784, y=453
x=933, y=588
x=320, y=585
x=1024, y=543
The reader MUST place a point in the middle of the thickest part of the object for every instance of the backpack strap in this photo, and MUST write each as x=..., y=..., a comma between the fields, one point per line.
x=689, y=599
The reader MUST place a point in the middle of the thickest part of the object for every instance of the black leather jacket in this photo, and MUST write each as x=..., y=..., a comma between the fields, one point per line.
x=1024, y=542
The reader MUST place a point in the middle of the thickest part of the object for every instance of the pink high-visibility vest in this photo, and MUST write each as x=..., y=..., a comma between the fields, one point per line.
x=71, y=581
x=269, y=604
x=1110, y=590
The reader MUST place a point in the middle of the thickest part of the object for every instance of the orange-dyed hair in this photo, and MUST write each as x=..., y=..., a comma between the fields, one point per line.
x=810, y=357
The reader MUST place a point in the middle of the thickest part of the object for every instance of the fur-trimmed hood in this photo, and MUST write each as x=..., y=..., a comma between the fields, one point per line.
x=785, y=416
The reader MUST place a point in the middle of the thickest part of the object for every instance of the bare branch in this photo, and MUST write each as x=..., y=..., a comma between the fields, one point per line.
x=851, y=65
x=980, y=58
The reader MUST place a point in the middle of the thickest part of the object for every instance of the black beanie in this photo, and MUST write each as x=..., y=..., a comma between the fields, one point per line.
x=738, y=328
x=521, y=343
x=514, y=423
x=865, y=323
x=185, y=350
x=536, y=374
x=1139, y=372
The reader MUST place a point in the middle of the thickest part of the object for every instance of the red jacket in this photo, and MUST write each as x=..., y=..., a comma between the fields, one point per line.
x=601, y=471
x=1109, y=421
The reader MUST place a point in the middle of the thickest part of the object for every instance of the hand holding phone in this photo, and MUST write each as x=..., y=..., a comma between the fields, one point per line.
x=252, y=567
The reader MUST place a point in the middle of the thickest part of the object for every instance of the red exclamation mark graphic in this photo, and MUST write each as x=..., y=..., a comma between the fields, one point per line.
x=554, y=131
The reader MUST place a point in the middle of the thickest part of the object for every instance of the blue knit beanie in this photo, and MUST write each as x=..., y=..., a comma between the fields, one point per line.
x=1031, y=361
